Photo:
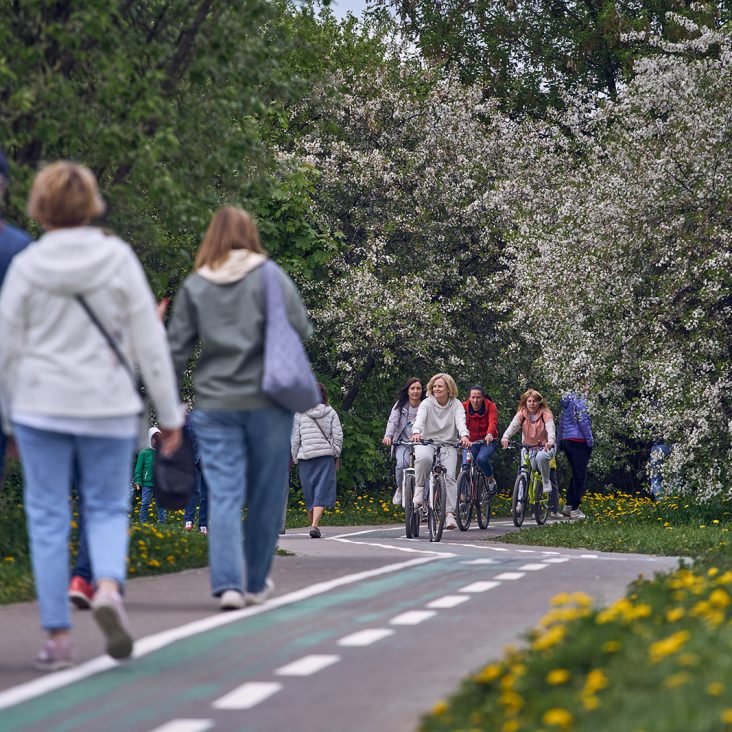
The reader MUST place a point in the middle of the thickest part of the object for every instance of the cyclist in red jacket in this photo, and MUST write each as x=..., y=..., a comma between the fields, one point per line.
x=481, y=417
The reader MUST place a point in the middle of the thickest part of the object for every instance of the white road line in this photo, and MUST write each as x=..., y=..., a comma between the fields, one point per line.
x=509, y=576
x=533, y=567
x=588, y=556
x=448, y=601
x=307, y=665
x=409, y=550
x=44, y=684
x=413, y=617
x=556, y=560
x=479, y=587
x=367, y=531
x=480, y=561
x=185, y=725
x=548, y=553
x=247, y=695
x=365, y=637
x=476, y=546
x=526, y=551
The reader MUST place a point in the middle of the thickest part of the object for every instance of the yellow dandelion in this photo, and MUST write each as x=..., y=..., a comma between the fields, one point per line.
x=557, y=717
x=665, y=647
x=715, y=688
x=440, y=708
x=558, y=676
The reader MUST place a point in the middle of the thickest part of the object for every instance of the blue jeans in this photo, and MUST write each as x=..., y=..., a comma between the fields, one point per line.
x=82, y=567
x=245, y=462
x=146, y=498
x=199, y=498
x=104, y=464
x=482, y=455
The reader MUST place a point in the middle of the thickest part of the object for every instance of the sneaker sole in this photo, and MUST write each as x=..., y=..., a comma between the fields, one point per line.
x=79, y=600
x=55, y=666
x=119, y=641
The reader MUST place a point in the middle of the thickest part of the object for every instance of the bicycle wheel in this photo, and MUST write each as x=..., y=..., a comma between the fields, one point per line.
x=518, y=502
x=541, y=504
x=439, y=512
x=464, y=513
x=408, y=493
x=483, y=503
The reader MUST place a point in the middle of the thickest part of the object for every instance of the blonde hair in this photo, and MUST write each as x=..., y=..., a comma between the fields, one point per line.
x=452, y=389
x=532, y=393
x=230, y=228
x=65, y=194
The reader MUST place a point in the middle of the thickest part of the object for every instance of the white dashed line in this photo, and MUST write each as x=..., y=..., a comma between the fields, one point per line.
x=307, y=666
x=588, y=556
x=526, y=551
x=479, y=587
x=533, y=567
x=365, y=637
x=185, y=725
x=548, y=553
x=448, y=601
x=476, y=546
x=509, y=576
x=480, y=561
x=413, y=617
x=247, y=695
x=556, y=560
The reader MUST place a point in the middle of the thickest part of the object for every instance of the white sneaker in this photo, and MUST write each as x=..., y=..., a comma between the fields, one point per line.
x=189, y=525
x=231, y=600
x=547, y=487
x=450, y=522
x=397, y=500
x=557, y=516
x=567, y=511
x=257, y=598
x=577, y=514
x=418, y=496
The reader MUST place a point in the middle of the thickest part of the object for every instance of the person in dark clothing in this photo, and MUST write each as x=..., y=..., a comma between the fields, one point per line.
x=576, y=440
x=12, y=241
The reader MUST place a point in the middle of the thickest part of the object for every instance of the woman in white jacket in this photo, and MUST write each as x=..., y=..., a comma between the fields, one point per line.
x=317, y=439
x=441, y=417
x=70, y=400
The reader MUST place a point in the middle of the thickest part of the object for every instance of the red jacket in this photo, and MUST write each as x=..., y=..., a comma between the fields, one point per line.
x=480, y=425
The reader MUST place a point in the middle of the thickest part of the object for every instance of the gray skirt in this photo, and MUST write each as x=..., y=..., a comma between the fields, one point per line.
x=318, y=480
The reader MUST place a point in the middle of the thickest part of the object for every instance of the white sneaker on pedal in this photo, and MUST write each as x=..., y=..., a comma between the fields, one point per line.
x=547, y=487
x=418, y=496
x=450, y=522
x=397, y=500
x=577, y=514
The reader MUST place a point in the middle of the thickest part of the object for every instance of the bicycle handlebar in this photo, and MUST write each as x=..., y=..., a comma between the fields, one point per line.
x=517, y=445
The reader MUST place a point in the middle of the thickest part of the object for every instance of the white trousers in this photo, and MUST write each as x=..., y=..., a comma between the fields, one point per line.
x=423, y=457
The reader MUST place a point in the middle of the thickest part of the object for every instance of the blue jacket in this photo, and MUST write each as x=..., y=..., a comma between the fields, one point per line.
x=12, y=241
x=575, y=422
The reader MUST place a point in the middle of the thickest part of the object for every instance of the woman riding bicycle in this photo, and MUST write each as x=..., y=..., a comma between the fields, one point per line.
x=481, y=417
x=440, y=417
x=399, y=427
x=536, y=422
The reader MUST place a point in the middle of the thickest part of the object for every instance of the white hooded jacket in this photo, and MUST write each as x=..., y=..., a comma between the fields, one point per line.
x=53, y=359
x=308, y=441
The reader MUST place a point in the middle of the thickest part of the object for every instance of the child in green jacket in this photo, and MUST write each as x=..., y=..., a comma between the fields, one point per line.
x=145, y=477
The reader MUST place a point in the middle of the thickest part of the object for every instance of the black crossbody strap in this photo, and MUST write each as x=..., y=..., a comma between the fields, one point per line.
x=111, y=343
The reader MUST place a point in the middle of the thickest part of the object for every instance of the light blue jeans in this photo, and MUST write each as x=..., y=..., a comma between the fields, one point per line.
x=540, y=460
x=245, y=457
x=104, y=467
x=146, y=499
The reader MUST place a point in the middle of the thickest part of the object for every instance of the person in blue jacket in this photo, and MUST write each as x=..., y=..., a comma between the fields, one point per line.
x=576, y=441
x=12, y=241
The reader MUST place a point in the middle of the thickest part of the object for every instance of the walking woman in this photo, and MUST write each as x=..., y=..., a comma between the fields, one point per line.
x=317, y=440
x=243, y=436
x=440, y=417
x=399, y=427
x=576, y=441
x=72, y=400
x=536, y=422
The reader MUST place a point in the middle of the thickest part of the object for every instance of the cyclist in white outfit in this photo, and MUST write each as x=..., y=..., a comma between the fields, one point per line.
x=441, y=417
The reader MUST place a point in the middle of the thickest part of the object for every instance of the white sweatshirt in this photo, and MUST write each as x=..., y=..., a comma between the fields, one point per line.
x=444, y=424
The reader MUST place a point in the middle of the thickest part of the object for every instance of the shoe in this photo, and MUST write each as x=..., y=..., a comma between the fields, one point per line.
x=547, y=488
x=109, y=612
x=257, y=598
x=557, y=516
x=577, y=514
x=450, y=522
x=567, y=510
x=80, y=592
x=418, y=499
x=231, y=600
x=189, y=525
x=492, y=486
x=315, y=533
x=56, y=654
x=204, y=530
x=397, y=500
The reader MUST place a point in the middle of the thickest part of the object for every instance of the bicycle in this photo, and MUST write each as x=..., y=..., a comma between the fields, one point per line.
x=472, y=492
x=411, y=515
x=528, y=490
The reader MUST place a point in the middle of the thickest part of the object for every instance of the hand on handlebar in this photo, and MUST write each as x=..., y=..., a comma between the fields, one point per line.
x=387, y=441
x=416, y=437
x=548, y=446
x=465, y=441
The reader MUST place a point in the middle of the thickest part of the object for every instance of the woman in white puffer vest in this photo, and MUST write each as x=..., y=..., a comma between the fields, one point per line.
x=317, y=439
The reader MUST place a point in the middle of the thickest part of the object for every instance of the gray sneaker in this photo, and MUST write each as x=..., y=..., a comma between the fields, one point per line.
x=567, y=510
x=231, y=600
x=56, y=654
x=257, y=598
x=109, y=612
x=397, y=500
x=577, y=514
x=557, y=516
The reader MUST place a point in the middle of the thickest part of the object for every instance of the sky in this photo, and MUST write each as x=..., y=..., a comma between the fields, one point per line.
x=341, y=7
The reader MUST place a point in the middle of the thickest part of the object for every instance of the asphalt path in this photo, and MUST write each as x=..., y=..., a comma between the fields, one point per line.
x=367, y=630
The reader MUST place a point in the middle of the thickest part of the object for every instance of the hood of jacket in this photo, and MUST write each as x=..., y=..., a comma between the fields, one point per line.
x=150, y=434
x=72, y=261
x=318, y=411
x=571, y=399
x=238, y=264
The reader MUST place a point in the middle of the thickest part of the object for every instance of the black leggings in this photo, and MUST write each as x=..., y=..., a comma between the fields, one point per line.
x=578, y=455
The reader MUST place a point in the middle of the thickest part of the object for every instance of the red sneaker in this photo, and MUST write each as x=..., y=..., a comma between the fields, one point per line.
x=80, y=593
